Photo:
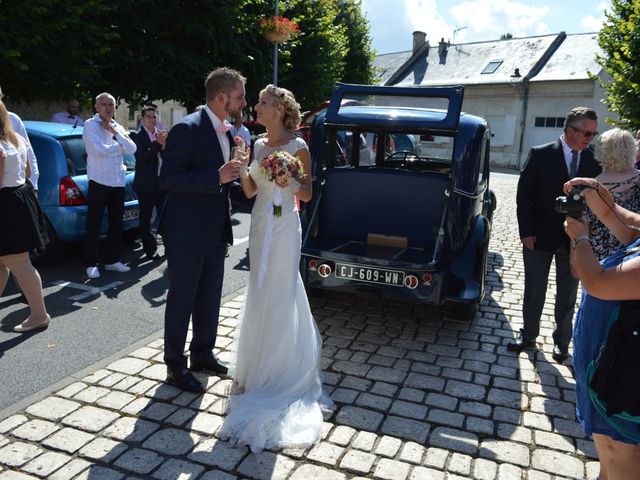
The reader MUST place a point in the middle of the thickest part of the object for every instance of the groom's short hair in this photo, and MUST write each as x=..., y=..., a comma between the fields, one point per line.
x=222, y=79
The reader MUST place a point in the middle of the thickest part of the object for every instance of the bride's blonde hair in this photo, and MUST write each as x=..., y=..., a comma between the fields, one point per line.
x=282, y=96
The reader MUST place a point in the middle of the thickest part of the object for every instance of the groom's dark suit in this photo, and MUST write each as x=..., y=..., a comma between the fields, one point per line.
x=541, y=181
x=196, y=228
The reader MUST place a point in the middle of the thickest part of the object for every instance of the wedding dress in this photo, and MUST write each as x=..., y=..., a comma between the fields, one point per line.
x=277, y=366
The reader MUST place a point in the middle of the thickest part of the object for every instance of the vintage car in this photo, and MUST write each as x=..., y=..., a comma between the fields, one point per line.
x=63, y=185
x=402, y=205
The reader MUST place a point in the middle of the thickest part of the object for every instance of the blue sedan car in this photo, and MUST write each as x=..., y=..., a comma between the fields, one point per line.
x=63, y=185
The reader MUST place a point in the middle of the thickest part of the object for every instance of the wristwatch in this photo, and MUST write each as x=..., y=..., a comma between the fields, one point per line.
x=579, y=238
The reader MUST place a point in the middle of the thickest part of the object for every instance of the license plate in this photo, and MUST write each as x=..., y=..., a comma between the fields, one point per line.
x=370, y=274
x=130, y=214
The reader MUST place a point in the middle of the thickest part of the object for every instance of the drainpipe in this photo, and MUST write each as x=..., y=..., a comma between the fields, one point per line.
x=524, y=95
x=542, y=61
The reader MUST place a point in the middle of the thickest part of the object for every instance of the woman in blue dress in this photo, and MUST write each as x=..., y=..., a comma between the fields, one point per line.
x=605, y=285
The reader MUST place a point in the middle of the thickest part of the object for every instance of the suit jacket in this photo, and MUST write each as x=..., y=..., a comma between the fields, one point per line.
x=541, y=181
x=146, y=177
x=197, y=206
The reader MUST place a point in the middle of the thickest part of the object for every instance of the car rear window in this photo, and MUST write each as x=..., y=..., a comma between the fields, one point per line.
x=76, y=156
x=398, y=148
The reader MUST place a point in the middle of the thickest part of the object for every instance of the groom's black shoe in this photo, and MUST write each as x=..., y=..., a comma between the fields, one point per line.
x=210, y=363
x=185, y=380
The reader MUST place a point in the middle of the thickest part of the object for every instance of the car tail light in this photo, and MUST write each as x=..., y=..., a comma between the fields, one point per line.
x=313, y=265
x=70, y=194
x=426, y=278
x=411, y=281
x=324, y=270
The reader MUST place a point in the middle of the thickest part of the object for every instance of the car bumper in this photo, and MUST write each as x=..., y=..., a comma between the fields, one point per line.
x=70, y=223
x=414, y=283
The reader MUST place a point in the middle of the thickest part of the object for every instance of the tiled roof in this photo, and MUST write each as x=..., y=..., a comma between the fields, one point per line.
x=464, y=63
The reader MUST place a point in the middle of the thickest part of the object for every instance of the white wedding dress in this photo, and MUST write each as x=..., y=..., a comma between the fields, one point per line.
x=277, y=366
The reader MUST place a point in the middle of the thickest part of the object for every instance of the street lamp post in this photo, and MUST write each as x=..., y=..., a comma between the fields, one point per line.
x=275, y=55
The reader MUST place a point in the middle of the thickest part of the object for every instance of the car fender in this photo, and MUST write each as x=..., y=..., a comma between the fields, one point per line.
x=468, y=267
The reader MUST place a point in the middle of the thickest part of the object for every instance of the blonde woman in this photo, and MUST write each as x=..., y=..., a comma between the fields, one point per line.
x=22, y=222
x=616, y=152
x=277, y=367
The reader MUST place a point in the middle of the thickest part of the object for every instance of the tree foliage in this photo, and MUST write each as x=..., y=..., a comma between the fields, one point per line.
x=141, y=51
x=620, y=42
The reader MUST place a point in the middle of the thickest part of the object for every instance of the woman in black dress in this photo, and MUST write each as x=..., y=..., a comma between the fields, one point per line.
x=22, y=223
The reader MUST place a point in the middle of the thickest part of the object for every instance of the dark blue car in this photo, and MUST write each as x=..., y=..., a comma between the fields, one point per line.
x=63, y=185
x=401, y=205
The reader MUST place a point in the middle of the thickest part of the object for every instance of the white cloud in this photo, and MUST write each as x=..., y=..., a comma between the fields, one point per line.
x=394, y=25
x=489, y=19
x=591, y=23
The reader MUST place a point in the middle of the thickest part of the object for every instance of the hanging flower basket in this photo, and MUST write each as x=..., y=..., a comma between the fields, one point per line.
x=278, y=29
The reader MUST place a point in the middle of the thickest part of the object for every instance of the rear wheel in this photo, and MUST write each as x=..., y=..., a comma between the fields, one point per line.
x=51, y=252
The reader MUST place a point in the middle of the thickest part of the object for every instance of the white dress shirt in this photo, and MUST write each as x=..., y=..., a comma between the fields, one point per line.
x=18, y=126
x=66, y=117
x=105, y=161
x=222, y=137
x=15, y=165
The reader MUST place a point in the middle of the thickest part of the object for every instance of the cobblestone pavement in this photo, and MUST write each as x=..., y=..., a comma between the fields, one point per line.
x=419, y=396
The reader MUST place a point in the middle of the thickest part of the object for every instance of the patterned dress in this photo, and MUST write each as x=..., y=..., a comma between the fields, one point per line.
x=627, y=195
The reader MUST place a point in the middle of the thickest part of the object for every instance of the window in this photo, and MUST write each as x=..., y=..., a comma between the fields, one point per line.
x=492, y=66
x=549, y=122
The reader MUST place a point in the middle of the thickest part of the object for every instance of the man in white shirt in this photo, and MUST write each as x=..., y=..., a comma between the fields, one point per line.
x=106, y=142
x=70, y=117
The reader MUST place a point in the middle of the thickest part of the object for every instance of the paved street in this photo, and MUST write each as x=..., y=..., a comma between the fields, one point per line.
x=419, y=395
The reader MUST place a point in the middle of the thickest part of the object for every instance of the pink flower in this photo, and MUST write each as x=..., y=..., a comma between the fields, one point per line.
x=282, y=167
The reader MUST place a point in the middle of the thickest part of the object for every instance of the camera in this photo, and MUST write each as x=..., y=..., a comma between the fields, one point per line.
x=573, y=204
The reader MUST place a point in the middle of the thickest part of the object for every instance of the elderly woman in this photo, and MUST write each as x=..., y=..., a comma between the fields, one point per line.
x=21, y=221
x=605, y=285
x=616, y=152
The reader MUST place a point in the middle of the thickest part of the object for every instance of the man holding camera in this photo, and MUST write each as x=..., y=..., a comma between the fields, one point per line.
x=546, y=170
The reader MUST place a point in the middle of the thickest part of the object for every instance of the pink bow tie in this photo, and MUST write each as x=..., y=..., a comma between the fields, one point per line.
x=223, y=127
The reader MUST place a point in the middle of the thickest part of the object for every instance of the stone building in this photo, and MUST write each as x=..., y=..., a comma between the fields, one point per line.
x=524, y=87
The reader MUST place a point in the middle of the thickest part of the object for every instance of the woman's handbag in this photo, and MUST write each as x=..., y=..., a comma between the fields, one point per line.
x=613, y=378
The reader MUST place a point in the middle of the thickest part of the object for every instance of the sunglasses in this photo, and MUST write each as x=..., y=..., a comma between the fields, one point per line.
x=586, y=133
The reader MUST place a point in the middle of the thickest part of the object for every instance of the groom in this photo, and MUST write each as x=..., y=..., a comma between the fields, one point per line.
x=196, y=226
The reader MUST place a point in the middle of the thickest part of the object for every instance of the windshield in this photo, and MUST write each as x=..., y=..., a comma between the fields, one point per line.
x=76, y=156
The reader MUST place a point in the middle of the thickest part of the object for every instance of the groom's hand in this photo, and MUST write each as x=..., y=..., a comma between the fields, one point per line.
x=229, y=171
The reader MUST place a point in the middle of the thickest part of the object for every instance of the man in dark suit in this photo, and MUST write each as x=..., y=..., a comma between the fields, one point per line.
x=196, y=226
x=150, y=142
x=547, y=168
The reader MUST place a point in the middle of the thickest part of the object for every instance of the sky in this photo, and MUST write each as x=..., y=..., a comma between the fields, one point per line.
x=461, y=21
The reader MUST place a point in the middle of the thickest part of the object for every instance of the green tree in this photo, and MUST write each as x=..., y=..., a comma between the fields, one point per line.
x=49, y=48
x=620, y=42
x=359, y=60
x=506, y=36
x=144, y=50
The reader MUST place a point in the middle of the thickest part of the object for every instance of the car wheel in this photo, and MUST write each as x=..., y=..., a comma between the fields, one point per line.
x=50, y=253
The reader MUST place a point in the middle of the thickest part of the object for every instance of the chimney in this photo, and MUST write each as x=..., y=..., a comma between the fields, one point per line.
x=442, y=51
x=419, y=39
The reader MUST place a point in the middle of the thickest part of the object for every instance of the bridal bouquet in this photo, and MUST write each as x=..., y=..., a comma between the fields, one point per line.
x=283, y=168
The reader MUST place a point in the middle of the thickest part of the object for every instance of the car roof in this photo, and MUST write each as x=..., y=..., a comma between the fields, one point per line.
x=399, y=116
x=55, y=130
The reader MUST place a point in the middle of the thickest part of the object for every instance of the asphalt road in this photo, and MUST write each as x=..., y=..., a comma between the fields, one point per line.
x=89, y=325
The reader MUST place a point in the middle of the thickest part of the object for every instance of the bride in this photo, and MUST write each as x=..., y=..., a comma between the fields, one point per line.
x=279, y=396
